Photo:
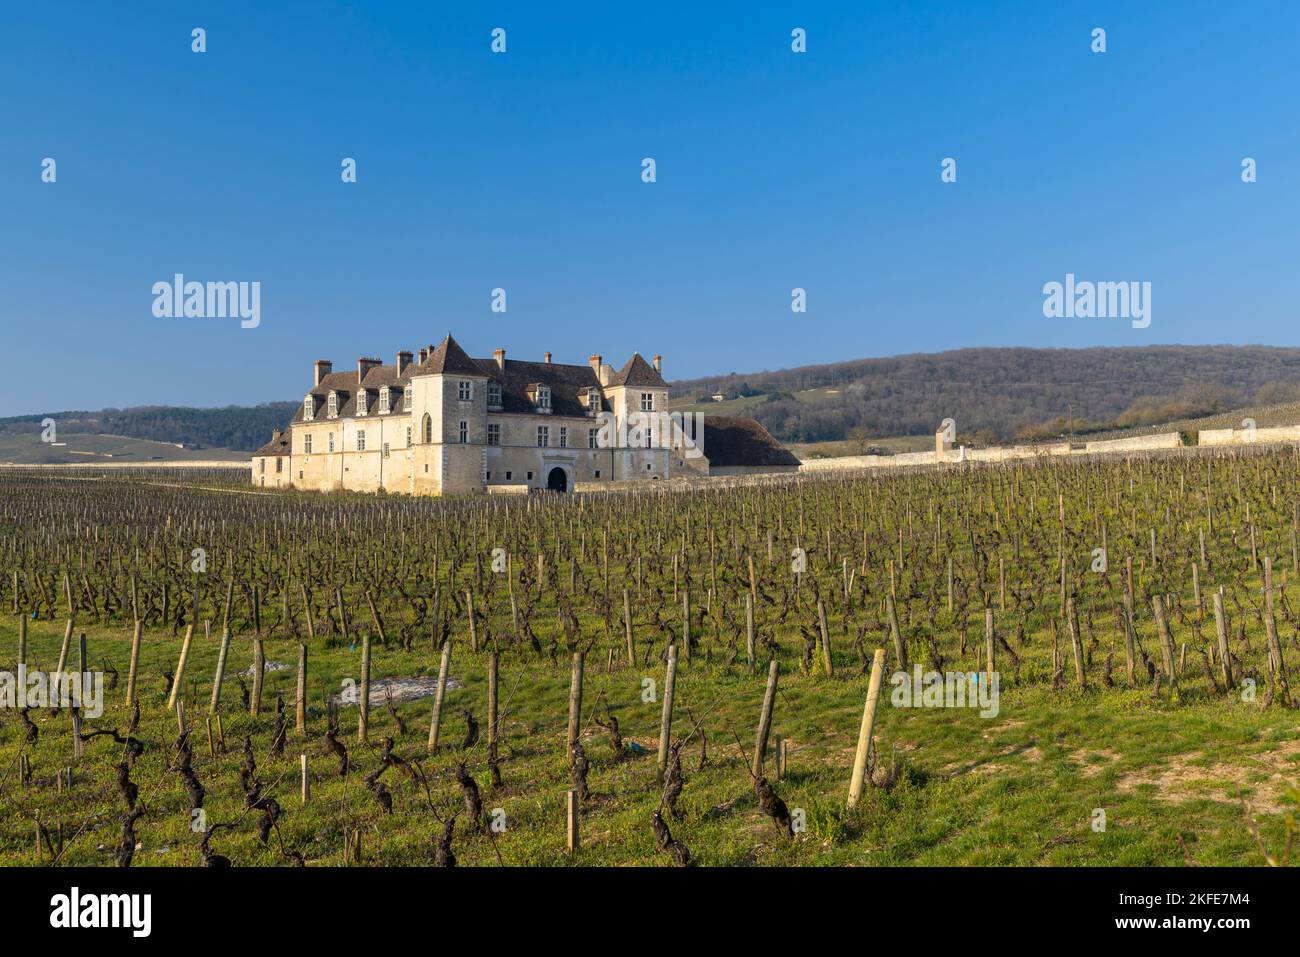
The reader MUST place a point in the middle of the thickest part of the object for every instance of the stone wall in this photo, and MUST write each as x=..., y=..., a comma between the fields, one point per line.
x=1289, y=433
x=1163, y=440
x=1166, y=440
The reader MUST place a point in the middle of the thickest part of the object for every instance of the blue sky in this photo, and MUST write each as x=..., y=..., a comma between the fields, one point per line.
x=522, y=171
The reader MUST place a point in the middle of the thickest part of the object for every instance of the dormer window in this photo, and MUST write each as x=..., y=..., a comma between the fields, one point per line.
x=384, y=407
x=494, y=395
x=593, y=401
x=333, y=408
x=464, y=390
x=361, y=402
x=308, y=408
x=541, y=396
x=406, y=399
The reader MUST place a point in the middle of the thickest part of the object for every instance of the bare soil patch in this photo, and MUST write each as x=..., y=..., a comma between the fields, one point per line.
x=1263, y=776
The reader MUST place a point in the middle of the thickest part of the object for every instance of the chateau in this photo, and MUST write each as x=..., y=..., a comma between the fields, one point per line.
x=441, y=422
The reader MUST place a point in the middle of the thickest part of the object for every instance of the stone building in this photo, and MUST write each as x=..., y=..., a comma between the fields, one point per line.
x=440, y=422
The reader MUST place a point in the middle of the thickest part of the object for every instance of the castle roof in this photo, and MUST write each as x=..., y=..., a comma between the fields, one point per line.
x=569, y=384
x=448, y=359
x=637, y=372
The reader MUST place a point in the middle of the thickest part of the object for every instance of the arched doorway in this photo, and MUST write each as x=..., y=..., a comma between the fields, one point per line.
x=557, y=481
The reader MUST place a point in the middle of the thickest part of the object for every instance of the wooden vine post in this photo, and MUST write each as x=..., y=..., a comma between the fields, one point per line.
x=865, y=730
x=666, y=718
x=765, y=718
x=435, y=721
x=363, y=695
x=575, y=701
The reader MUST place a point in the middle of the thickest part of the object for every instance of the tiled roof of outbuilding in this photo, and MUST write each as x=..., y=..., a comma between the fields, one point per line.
x=731, y=440
x=277, y=446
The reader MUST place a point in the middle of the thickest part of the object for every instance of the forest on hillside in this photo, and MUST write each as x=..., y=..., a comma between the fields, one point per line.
x=994, y=394
x=1001, y=394
x=242, y=428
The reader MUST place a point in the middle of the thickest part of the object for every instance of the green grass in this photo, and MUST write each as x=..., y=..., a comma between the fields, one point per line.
x=1017, y=789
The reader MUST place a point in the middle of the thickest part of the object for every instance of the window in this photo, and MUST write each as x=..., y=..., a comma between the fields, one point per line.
x=331, y=442
x=591, y=438
x=508, y=476
x=408, y=436
x=544, y=397
x=530, y=476
x=426, y=429
x=647, y=401
x=543, y=436
x=361, y=402
x=333, y=405
x=464, y=390
x=406, y=399
x=464, y=431
x=261, y=466
x=361, y=440
x=494, y=433
x=593, y=401
x=489, y=475
x=384, y=400
x=279, y=465
x=306, y=444
x=308, y=408
x=386, y=452
x=597, y=473
x=564, y=437
x=494, y=394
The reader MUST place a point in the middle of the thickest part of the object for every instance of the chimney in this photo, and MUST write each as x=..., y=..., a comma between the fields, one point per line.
x=275, y=435
x=546, y=356
x=500, y=356
x=364, y=366
x=424, y=354
x=595, y=364
x=323, y=368
x=659, y=363
x=403, y=360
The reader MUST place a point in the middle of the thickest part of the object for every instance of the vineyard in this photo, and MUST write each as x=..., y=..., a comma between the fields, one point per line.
x=660, y=677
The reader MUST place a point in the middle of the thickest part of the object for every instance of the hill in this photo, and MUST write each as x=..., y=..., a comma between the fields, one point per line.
x=21, y=448
x=238, y=428
x=995, y=395
x=1001, y=394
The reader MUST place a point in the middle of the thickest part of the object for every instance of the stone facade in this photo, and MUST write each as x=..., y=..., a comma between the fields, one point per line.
x=444, y=423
